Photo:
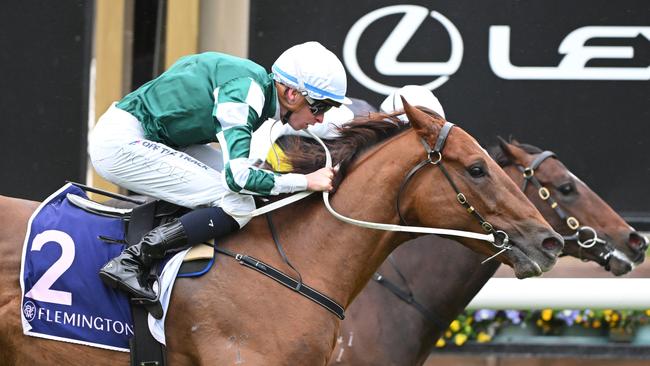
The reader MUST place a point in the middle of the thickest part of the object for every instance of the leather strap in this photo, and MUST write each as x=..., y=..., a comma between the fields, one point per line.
x=145, y=349
x=279, y=276
x=408, y=298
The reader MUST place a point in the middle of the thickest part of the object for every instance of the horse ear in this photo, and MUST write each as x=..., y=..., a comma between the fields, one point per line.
x=513, y=140
x=503, y=144
x=421, y=122
x=510, y=150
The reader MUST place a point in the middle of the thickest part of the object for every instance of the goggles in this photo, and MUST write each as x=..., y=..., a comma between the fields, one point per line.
x=319, y=106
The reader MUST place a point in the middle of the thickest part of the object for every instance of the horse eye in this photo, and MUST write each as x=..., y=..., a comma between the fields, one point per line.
x=476, y=171
x=566, y=189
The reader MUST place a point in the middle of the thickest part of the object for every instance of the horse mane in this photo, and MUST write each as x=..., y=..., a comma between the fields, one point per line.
x=355, y=137
x=496, y=152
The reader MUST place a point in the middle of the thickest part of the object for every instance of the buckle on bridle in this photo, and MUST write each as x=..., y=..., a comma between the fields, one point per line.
x=572, y=223
x=489, y=228
x=529, y=172
x=437, y=159
x=544, y=193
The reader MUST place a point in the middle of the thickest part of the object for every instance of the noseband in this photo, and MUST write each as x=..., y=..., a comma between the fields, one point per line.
x=529, y=176
x=434, y=157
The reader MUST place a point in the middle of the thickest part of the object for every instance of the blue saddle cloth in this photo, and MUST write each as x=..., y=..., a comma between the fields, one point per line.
x=63, y=297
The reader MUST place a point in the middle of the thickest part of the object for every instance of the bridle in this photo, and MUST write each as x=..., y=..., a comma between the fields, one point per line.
x=572, y=223
x=434, y=158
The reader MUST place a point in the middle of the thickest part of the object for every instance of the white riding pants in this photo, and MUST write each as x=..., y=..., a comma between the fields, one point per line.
x=189, y=177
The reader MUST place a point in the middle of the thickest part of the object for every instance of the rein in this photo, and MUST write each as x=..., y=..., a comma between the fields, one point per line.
x=436, y=153
x=389, y=227
x=323, y=300
x=413, y=229
x=571, y=222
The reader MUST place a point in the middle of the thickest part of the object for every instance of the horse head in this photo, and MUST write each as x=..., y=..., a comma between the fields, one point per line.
x=591, y=228
x=487, y=199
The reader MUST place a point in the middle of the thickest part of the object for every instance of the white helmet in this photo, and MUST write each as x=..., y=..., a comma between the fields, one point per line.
x=414, y=95
x=312, y=69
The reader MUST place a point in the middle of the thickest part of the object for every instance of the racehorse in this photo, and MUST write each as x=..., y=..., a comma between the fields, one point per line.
x=440, y=278
x=234, y=315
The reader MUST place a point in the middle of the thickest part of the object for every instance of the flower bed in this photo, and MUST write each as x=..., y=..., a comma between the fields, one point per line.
x=486, y=325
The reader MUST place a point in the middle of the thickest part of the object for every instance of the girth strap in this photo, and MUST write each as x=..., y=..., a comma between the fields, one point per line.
x=145, y=349
x=408, y=298
x=279, y=276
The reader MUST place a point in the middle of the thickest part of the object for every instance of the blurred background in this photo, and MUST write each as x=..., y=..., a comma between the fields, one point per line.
x=568, y=76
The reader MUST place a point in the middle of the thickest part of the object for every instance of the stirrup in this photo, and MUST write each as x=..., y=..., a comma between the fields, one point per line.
x=153, y=306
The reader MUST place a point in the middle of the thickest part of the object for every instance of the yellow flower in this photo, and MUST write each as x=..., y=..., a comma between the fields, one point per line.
x=647, y=312
x=441, y=342
x=448, y=334
x=608, y=311
x=596, y=324
x=579, y=319
x=454, y=326
x=539, y=323
x=460, y=339
x=615, y=317
x=547, y=314
x=483, y=337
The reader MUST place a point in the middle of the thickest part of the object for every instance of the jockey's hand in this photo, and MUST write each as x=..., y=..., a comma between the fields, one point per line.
x=321, y=180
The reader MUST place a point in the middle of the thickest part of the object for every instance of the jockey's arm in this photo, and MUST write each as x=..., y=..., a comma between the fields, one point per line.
x=238, y=105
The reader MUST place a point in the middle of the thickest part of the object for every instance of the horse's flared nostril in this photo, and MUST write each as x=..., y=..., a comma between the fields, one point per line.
x=637, y=242
x=552, y=244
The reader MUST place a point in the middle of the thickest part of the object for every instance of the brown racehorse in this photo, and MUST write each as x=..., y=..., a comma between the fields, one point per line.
x=233, y=315
x=382, y=329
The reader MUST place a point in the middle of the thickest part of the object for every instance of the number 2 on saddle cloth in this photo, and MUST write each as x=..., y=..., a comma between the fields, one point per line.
x=63, y=297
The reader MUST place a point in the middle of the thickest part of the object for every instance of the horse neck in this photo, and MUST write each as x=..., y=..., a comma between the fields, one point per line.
x=444, y=276
x=340, y=258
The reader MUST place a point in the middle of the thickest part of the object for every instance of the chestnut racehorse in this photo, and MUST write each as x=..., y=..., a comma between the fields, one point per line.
x=233, y=315
x=442, y=278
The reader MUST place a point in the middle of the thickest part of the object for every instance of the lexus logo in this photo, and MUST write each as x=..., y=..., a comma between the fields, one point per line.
x=577, y=53
x=386, y=58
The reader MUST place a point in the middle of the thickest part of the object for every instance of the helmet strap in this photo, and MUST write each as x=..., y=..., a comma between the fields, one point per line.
x=285, y=119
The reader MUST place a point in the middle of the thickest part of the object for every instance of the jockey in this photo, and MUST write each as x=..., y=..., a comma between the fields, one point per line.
x=155, y=142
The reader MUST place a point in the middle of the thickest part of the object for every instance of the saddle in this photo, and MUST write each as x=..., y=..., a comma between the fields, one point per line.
x=163, y=212
x=139, y=217
x=143, y=216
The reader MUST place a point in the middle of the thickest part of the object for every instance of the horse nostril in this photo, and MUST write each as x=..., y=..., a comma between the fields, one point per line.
x=637, y=242
x=552, y=244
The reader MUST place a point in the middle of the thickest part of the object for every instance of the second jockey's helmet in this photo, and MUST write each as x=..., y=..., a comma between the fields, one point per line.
x=415, y=95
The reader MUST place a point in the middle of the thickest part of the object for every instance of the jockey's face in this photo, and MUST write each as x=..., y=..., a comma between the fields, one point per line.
x=302, y=115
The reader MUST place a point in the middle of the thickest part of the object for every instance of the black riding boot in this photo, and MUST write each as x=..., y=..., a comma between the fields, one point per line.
x=130, y=270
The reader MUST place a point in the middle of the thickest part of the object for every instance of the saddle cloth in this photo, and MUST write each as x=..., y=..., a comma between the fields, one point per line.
x=63, y=298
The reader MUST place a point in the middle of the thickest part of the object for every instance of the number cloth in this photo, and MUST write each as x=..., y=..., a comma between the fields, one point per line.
x=63, y=297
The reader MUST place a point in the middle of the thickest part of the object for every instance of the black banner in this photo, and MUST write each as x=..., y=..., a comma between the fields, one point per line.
x=45, y=50
x=568, y=76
